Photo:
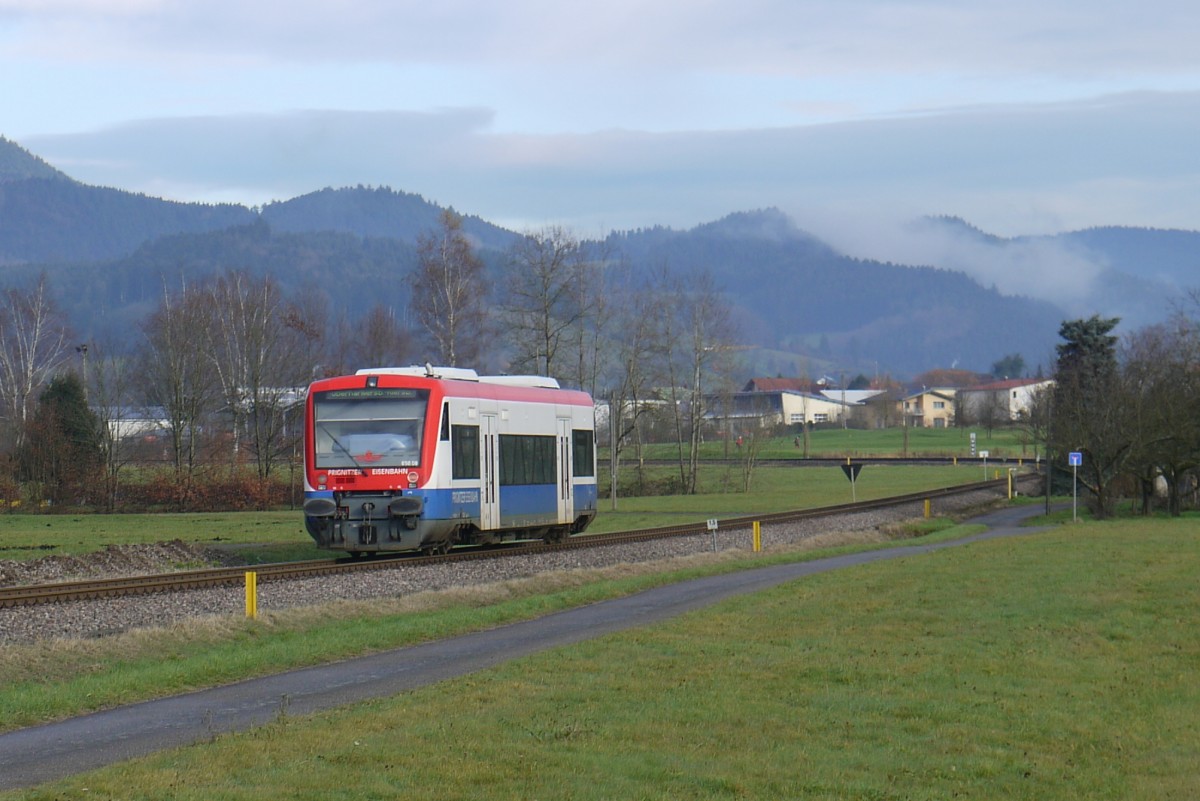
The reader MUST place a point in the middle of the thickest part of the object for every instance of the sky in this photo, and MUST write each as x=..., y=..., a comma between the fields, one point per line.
x=853, y=116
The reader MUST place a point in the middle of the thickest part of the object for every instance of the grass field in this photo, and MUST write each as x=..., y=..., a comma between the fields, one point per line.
x=261, y=536
x=280, y=536
x=1054, y=665
x=1001, y=443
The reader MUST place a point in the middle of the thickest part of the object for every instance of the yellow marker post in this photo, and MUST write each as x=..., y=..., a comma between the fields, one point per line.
x=251, y=594
x=757, y=536
x=928, y=508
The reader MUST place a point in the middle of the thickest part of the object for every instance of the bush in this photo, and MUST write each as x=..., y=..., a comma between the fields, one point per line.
x=213, y=491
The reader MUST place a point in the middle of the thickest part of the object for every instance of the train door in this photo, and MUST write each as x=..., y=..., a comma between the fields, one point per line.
x=489, y=472
x=566, y=499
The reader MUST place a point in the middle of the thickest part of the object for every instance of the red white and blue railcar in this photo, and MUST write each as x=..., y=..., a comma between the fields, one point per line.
x=425, y=458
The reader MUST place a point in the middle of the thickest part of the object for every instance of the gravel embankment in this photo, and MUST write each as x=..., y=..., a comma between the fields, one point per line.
x=103, y=617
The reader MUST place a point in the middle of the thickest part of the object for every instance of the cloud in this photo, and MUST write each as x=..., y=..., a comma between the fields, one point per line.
x=1043, y=267
x=273, y=156
x=799, y=38
x=1010, y=170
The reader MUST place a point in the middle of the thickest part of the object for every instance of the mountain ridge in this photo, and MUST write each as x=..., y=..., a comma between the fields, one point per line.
x=17, y=164
x=792, y=292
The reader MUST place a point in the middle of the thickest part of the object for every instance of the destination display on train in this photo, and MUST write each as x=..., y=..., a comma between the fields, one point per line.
x=372, y=393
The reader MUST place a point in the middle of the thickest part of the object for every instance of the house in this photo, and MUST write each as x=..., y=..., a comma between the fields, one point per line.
x=1000, y=401
x=806, y=407
x=929, y=408
x=768, y=408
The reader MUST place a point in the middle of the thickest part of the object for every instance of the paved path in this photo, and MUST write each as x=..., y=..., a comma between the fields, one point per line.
x=43, y=753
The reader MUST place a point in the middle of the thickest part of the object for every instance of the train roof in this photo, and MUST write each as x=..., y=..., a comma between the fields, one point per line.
x=464, y=374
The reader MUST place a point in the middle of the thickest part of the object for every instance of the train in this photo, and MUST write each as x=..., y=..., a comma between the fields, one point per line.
x=428, y=458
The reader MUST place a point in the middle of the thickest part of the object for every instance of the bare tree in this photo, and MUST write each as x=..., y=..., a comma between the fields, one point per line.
x=992, y=411
x=634, y=373
x=176, y=375
x=588, y=337
x=756, y=440
x=698, y=341
x=549, y=300
x=1033, y=421
x=110, y=390
x=33, y=343
x=257, y=346
x=450, y=292
x=379, y=340
x=1162, y=371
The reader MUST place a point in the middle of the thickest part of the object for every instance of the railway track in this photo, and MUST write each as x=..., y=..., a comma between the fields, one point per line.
x=35, y=594
x=834, y=461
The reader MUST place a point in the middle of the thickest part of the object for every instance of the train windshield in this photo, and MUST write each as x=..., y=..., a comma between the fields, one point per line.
x=368, y=428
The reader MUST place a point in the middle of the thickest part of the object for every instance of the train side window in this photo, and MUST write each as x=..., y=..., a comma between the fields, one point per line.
x=445, y=433
x=584, y=457
x=464, y=451
x=526, y=459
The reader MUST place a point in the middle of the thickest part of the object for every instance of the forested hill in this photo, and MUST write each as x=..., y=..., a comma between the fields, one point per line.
x=347, y=272
x=793, y=293
x=374, y=212
x=17, y=164
x=47, y=217
x=48, y=220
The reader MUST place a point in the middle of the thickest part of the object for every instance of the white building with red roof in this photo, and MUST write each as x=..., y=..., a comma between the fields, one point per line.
x=1000, y=401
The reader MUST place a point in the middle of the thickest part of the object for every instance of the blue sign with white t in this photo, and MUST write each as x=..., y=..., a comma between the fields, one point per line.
x=1075, y=459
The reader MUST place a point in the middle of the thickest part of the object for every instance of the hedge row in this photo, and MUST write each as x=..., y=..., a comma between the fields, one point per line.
x=156, y=491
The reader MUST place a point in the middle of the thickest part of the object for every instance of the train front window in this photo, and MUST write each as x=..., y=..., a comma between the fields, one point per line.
x=369, y=428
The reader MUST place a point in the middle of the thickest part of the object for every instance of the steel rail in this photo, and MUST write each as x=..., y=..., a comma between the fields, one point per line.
x=33, y=594
x=835, y=461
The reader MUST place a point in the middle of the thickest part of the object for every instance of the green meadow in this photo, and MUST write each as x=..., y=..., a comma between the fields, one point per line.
x=259, y=537
x=1001, y=443
x=1057, y=664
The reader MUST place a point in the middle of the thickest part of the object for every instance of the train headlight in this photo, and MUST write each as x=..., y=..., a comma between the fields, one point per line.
x=320, y=507
x=406, y=505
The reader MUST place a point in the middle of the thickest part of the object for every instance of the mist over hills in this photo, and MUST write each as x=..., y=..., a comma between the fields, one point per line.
x=1140, y=275
x=951, y=296
x=795, y=294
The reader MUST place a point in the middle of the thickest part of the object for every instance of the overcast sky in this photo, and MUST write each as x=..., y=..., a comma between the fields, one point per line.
x=1023, y=117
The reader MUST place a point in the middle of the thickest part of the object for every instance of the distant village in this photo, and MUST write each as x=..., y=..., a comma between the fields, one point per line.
x=766, y=402
x=772, y=403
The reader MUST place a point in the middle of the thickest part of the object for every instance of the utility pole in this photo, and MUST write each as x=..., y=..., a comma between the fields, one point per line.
x=612, y=449
x=844, y=401
x=82, y=350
